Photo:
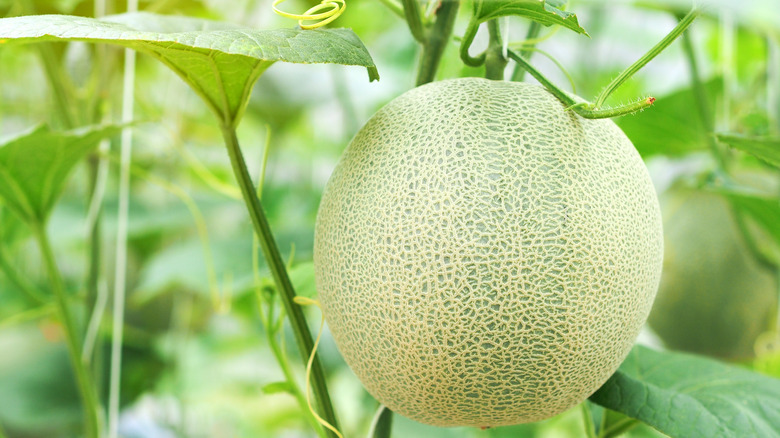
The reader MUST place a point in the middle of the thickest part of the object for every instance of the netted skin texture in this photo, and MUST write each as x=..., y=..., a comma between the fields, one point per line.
x=484, y=258
x=714, y=298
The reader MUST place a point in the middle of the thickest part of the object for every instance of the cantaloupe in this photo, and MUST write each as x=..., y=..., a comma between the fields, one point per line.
x=714, y=298
x=483, y=257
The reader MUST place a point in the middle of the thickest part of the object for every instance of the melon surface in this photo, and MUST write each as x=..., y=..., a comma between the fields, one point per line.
x=483, y=257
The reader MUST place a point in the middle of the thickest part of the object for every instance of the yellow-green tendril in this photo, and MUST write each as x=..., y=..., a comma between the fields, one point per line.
x=333, y=9
x=304, y=301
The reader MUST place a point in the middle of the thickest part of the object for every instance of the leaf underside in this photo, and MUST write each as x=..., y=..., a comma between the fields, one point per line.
x=687, y=396
x=767, y=149
x=219, y=60
x=545, y=13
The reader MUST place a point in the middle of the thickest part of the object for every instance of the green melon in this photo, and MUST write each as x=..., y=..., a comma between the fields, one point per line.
x=714, y=297
x=483, y=257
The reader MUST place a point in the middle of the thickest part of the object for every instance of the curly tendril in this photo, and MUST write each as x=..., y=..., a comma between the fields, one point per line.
x=333, y=9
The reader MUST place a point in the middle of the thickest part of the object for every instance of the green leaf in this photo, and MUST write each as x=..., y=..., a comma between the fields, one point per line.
x=688, y=396
x=219, y=60
x=763, y=209
x=35, y=166
x=382, y=426
x=277, y=387
x=543, y=12
x=767, y=149
x=671, y=126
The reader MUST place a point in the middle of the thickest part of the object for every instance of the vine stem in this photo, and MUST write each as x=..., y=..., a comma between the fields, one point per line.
x=278, y=270
x=414, y=19
x=436, y=41
x=584, y=109
x=647, y=57
x=88, y=396
x=495, y=62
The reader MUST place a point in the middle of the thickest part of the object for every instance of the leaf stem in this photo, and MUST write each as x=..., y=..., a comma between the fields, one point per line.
x=465, y=45
x=437, y=40
x=278, y=270
x=88, y=396
x=641, y=62
x=495, y=62
x=552, y=88
x=414, y=20
x=584, y=109
x=533, y=32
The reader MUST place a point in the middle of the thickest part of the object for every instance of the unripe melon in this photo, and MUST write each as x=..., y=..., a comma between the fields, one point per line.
x=714, y=297
x=483, y=257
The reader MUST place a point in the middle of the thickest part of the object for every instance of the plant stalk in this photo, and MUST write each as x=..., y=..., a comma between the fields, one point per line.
x=495, y=62
x=278, y=270
x=414, y=19
x=438, y=37
x=533, y=32
x=647, y=57
x=72, y=337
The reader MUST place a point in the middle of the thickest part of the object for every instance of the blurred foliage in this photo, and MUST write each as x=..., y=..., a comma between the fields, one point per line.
x=193, y=369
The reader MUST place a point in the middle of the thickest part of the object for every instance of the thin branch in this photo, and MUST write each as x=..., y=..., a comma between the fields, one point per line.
x=641, y=62
x=438, y=37
x=414, y=19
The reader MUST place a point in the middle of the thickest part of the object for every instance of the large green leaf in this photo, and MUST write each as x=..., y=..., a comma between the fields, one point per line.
x=219, y=60
x=35, y=166
x=767, y=149
x=541, y=11
x=672, y=126
x=687, y=396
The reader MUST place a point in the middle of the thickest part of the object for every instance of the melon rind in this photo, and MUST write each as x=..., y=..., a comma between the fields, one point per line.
x=483, y=257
